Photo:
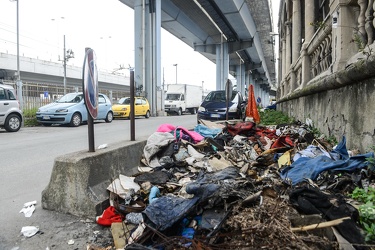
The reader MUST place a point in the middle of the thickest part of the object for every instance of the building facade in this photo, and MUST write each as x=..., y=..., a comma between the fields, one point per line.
x=327, y=67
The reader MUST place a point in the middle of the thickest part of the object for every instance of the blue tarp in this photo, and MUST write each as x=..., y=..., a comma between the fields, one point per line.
x=309, y=168
x=206, y=131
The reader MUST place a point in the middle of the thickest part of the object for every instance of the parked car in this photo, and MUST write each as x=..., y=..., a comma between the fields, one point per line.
x=271, y=106
x=10, y=114
x=122, y=108
x=71, y=109
x=214, y=107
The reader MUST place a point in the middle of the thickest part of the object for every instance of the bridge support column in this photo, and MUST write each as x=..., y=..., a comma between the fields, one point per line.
x=240, y=78
x=147, y=41
x=222, y=65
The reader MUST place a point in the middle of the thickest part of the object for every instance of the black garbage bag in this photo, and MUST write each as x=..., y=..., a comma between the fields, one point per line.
x=155, y=177
x=309, y=200
x=167, y=210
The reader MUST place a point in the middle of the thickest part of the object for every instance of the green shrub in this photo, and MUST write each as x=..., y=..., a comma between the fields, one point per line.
x=30, y=117
x=273, y=117
x=367, y=210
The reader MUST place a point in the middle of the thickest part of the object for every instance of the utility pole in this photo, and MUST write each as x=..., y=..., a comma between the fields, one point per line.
x=64, y=63
x=19, y=82
x=67, y=55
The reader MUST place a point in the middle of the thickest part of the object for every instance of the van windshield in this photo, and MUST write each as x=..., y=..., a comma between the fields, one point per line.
x=173, y=97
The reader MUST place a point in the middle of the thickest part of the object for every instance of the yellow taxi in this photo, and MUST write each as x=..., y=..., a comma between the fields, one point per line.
x=122, y=108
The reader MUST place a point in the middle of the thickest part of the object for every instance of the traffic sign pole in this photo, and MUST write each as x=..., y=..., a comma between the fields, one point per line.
x=90, y=89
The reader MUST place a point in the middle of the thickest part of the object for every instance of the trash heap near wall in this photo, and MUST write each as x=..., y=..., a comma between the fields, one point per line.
x=240, y=186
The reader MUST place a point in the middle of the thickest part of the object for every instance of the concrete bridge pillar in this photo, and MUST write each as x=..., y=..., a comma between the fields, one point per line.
x=240, y=77
x=147, y=41
x=222, y=65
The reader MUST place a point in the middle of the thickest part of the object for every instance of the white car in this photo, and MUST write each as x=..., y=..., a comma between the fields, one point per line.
x=10, y=114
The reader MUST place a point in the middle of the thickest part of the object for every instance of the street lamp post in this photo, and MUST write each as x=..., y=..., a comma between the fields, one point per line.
x=19, y=82
x=67, y=55
x=176, y=71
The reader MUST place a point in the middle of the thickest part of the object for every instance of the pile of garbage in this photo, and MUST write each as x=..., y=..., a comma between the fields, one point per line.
x=239, y=185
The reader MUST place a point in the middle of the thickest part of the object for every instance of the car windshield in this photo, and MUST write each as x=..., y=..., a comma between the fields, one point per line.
x=71, y=98
x=124, y=100
x=173, y=97
x=218, y=96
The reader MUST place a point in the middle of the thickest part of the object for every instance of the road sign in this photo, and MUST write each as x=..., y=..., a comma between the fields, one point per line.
x=90, y=82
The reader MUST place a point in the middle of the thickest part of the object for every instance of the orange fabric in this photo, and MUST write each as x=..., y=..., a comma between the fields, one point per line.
x=251, y=109
x=283, y=141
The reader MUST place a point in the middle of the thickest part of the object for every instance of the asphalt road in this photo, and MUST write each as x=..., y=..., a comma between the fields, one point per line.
x=27, y=159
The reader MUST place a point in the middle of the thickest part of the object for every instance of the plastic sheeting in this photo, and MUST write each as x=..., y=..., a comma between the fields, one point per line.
x=309, y=168
x=206, y=131
x=167, y=210
x=155, y=143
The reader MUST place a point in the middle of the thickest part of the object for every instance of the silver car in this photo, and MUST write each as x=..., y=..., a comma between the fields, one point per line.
x=10, y=114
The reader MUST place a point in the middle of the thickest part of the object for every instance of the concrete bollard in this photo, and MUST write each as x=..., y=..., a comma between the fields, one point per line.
x=79, y=180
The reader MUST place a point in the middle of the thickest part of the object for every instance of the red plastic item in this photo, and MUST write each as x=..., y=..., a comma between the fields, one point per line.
x=108, y=217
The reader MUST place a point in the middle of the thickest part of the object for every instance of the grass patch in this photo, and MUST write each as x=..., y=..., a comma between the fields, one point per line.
x=274, y=117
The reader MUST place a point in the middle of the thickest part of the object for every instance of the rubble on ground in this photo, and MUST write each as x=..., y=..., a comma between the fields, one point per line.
x=238, y=185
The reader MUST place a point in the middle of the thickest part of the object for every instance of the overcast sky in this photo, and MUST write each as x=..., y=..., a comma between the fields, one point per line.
x=105, y=26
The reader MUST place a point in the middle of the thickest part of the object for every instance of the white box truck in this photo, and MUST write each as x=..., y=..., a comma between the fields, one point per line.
x=181, y=98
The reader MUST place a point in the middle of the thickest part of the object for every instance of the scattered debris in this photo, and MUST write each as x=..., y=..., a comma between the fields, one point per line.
x=28, y=208
x=102, y=146
x=29, y=231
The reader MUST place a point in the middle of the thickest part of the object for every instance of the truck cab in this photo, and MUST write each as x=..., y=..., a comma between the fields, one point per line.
x=182, y=98
x=175, y=103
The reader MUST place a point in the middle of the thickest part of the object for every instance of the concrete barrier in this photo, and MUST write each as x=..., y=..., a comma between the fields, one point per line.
x=79, y=180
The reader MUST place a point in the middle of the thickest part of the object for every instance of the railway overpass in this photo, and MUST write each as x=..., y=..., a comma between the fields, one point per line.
x=39, y=71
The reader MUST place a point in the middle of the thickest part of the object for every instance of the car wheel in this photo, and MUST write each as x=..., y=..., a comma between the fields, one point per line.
x=148, y=114
x=12, y=123
x=193, y=111
x=179, y=112
x=76, y=120
x=47, y=124
x=109, y=117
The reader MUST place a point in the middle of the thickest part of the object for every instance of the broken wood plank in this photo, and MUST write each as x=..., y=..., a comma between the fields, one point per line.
x=319, y=225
